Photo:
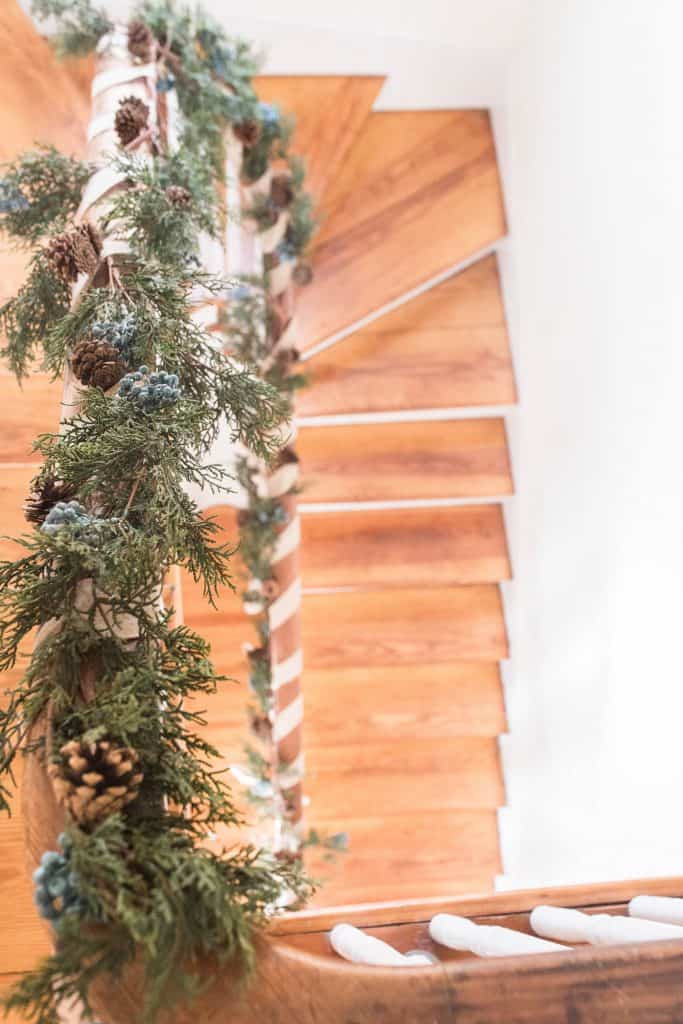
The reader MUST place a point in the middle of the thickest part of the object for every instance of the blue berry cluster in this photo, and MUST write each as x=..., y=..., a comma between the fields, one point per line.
x=166, y=83
x=240, y=292
x=119, y=333
x=12, y=199
x=150, y=392
x=268, y=516
x=56, y=887
x=286, y=251
x=66, y=513
x=270, y=115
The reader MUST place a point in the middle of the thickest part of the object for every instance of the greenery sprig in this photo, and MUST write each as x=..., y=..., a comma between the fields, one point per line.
x=150, y=885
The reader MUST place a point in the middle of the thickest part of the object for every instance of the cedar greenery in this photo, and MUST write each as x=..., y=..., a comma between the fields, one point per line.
x=39, y=192
x=152, y=887
x=81, y=24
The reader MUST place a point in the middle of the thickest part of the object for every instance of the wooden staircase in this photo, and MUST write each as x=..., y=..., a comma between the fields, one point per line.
x=405, y=458
x=405, y=465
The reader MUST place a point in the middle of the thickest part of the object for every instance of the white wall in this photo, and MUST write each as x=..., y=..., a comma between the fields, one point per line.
x=591, y=147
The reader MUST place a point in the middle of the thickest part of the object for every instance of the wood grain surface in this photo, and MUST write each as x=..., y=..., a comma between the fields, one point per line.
x=448, y=347
x=404, y=547
x=6, y=983
x=394, y=855
x=432, y=700
x=372, y=628
x=330, y=111
x=27, y=411
x=40, y=103
x=405, y=461
x=418, y=193
x=404, y=778
x=23, y=936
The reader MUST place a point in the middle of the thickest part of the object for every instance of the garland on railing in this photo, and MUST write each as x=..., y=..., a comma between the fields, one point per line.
x=112, y=515
x=260, y=321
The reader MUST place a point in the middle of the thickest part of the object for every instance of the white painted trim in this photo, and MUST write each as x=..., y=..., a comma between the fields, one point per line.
x=408, y=296
x=347, y=419
x=319, y=507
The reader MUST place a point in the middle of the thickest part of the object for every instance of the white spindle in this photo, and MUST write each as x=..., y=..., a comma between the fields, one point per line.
x=486, y=940
x=598, y=929
x=665, y=909
x=354, y=945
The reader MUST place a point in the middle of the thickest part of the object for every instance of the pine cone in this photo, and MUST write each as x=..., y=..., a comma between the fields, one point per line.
x=286, y=457
x=303, y=274
x=281, y=191
x=140, y=40
x=258, y=655
x=60, y=251
x=261, y=727
x=87, y=248
x=74, y=252
x=248, y=133
x=178, y=196
x=271, y=260
x=270, y=589
x=97, y=363
x=42, y=500
x=131, y=119
x=95, y=780
x=288, y=857
x=286, y=358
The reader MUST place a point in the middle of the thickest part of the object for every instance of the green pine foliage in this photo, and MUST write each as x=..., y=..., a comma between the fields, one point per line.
x=200, y=63
x=154, y=888
x=42, y=301
x=80, y=24
x=159, y=229
x=274, y=138
x=39, y=192
x=302, y=224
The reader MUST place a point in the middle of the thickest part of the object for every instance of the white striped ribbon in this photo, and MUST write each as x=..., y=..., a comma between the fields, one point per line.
x=286, y=605
x=288, y=540
x=102, y=182
x=288, y=719
x=292, y=774
x=290, y=337
x=99, y=125
x=120, y=76
x=114, y=247
x=289, y=669
x=272, y=236
x=281, y=481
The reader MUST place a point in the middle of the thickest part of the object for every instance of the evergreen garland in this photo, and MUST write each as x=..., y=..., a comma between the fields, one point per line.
x=139, y=883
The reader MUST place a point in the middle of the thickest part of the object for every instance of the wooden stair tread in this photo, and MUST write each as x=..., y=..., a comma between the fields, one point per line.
x=27, y=411
x=418, y=193
x=40, y=103
x=399, y=461
x=408, y=777
x=400, y=547
x=396, y=856
x=7, y=981
x=23, y=936
x=446, y=348
x=15, y=483
x=371, y=628
x=330, y=110
x=464, y=699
